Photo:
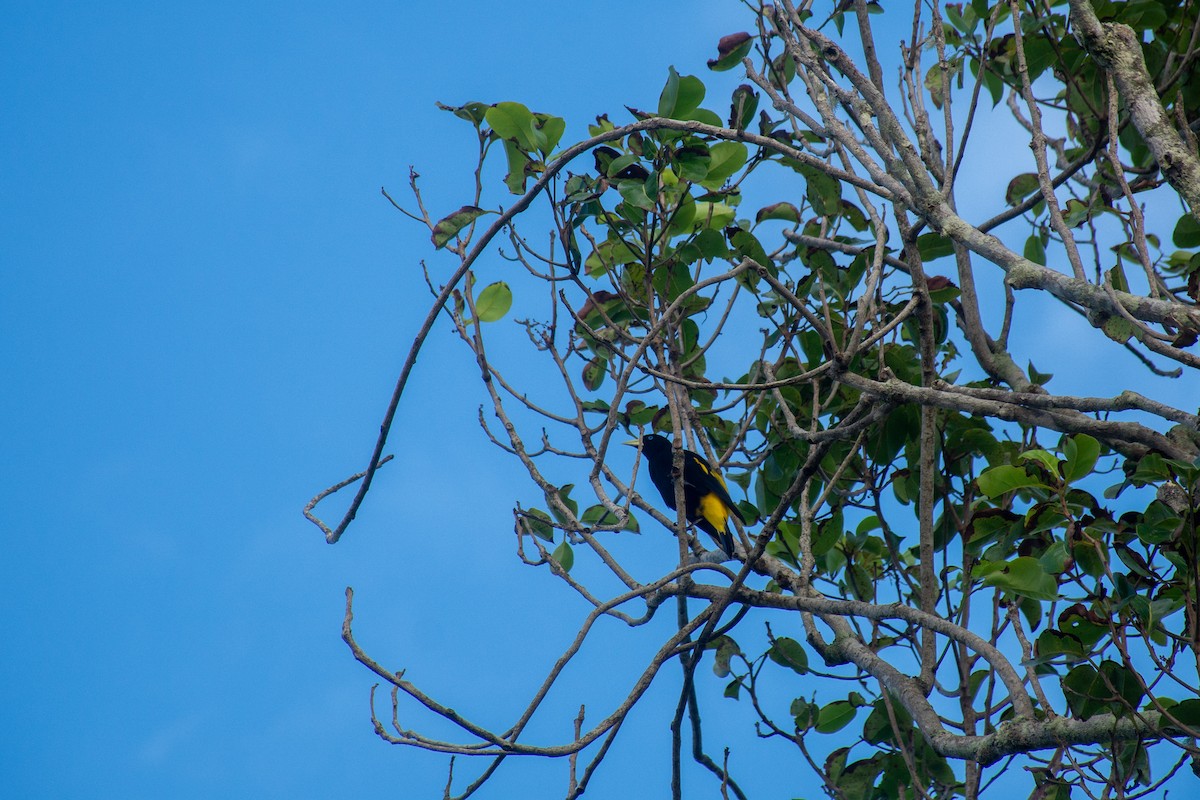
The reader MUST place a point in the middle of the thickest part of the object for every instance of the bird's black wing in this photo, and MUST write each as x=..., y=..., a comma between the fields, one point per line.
x=701, y=475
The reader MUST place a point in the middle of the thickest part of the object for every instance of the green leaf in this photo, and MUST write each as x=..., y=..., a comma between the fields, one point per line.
x=860, y=583
x=680, y=96
x=1052, y=644
x=705, y=116
x=1076, y=213
x=784, y=211
x=747, y=245
x=1111, y=688
x=691, y=95
x=472, y=112
x=1043, y=457
x=564, y=556
x=803, y=712
x=611, y=253
x=1088, y=632
x=669, y=95
x=1187, y=232
x=726, y=649
x=725, y=158
x=619, y=164
x=1040, y=378
x=935, y=84
x=1147, y=15
x=634, y=193
x=975, y=681
x=564, y=496
x=1021, y=187
x=993, y=82
x=518, y=165
x=1082, y=452
x=835, y=716
x=1117, y=328
x=1116, y=276
x=1055, y=559
x=731, y=50
x=449, y=226
x=789, y=653
x=934, y=245
x=855, y=216
x=782, y=70
x=709, y=241
x=598, y=515
x=682, y=217
x=552, y=129
x=742, y=107
x=878, y=727
x=713, y=216
x=513, y=121
x=965, y=20
x=1137, y=566
x=671, y=281
x=835, y=765
x=1005, y=478
x=824, y=192
x=603, y=125
x=1025, y=576
x=1039, y=54
x=1088, y=560
x=1187, y=712
x=693, y=162
x=1035, y=251
x=1031, y=609
x=603, y=157
x=493, y=302
x=537, y=522
x=594, y=372
x=1159, y=524
x=1152, y=467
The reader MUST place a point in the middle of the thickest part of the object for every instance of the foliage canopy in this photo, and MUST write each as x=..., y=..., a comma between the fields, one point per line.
x=794, y=277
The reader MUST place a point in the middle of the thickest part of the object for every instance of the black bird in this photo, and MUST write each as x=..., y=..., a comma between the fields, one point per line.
x=706, y=500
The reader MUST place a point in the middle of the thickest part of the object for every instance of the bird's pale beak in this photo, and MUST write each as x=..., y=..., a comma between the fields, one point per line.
x=633, y=443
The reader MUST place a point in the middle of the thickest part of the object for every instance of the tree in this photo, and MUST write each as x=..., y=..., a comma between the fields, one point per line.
x=986, y=571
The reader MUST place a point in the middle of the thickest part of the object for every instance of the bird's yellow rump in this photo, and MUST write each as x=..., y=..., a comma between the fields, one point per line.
x=706, y=499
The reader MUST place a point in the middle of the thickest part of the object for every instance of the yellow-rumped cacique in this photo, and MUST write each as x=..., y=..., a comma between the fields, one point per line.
x=707, y=503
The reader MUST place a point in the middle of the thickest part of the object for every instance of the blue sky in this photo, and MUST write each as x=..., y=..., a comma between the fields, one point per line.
x=206, y=306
